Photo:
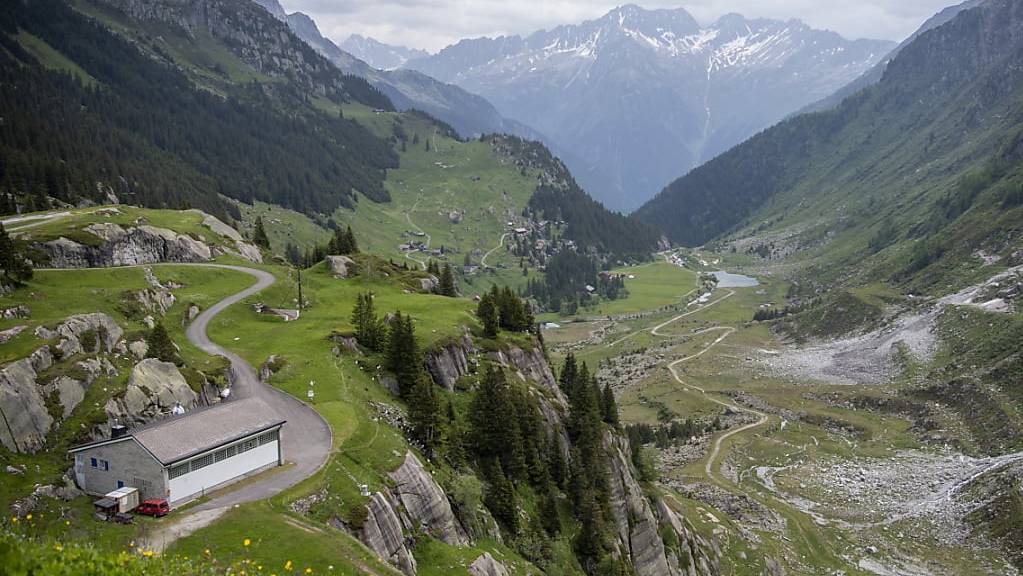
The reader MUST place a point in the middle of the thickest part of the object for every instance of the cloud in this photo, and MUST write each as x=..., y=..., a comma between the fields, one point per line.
x=433, y=24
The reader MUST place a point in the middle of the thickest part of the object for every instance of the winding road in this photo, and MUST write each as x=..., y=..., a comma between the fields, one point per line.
x=306, y=437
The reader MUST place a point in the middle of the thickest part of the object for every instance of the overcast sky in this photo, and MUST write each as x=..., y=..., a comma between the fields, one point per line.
x=433, y=24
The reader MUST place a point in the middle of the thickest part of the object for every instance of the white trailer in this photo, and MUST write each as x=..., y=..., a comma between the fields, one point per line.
x=127, y=499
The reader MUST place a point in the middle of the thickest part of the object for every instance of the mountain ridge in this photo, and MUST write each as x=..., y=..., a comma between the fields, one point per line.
x=637, y=97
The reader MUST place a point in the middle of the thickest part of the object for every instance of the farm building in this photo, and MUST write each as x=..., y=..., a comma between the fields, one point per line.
x=183, y=457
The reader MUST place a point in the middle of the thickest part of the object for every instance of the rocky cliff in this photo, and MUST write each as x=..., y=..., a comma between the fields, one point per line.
x=117, y=246
x=39, y=392
x=257, y=38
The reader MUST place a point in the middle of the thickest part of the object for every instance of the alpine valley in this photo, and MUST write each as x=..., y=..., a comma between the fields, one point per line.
x=276, y=303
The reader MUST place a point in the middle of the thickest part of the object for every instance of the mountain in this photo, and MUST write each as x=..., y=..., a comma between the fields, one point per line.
x=468, y=113
x=163, y=124
x=907, y=180
x=637, y=97
x=873, y=76
x=379, y=55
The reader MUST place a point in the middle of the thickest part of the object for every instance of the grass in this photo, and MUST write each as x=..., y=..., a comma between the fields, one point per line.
x=320, y=549
x=52, y=59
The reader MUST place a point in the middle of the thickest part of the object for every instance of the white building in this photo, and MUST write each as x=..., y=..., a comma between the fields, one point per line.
x=183, y=457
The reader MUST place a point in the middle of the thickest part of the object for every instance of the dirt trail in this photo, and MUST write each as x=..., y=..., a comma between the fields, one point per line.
x=408, y=218
x=483, y=261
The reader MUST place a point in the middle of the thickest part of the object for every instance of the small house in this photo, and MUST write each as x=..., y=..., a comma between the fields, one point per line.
x=183, y=457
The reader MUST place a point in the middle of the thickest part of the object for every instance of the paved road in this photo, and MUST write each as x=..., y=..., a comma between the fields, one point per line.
x=306, y=438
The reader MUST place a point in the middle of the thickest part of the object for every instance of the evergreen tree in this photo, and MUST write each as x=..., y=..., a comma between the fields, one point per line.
x=160, y=344
x=259, y=237
x=568, y=376
x=447, y=282
x=487, y=312
x=353, y=244
x=500, y=497
x=16, y=269
x=424, y=414
x=549, y=517
x=369, y=328
x=403, y=353
x=610, y=406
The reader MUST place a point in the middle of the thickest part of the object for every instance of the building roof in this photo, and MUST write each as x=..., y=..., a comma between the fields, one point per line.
x=179, y=437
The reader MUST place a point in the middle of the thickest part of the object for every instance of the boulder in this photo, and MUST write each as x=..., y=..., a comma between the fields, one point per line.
x=218, y=226
x=139, y=349
x=19, y=311
x=193, y=311
x=340, y=266
x=155, y=301
x=154, y=387
x=248, y=251
x=426, y=503
x=106, y=331
x=23, y=405
x=429, y=284
x=70, y=393
x=382, y=533
x=7, y=335
x=485, y=565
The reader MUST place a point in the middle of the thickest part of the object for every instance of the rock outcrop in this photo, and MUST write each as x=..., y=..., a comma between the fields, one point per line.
x=19, y=311
x=7, y=335
x=429, y=284
x=154, y=387
x=25, y=419
x=117, y=246
x=93, y=333
x=340, y=266
x=426, y=503
x=382, y=533
x=485, y=565
x=639, y=526
x=450, y=362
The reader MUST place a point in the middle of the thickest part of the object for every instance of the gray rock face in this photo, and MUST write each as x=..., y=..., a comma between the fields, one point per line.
x=72, y=330
x=532, y=365
x=70, y=393
x=485, y=565
x=154, y=387
x=7, y=335
x=449, y=363
x=25, y=418
x=340, y=266
x=382, y=533
x=429, y=284
x=155, y=301
x=426, y=503
x=217, y=226
x=120, y=247
x=19, y=311
x=138, y=349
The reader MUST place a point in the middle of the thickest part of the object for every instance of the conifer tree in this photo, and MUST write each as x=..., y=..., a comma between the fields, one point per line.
x=447, y=282
x=403, y=353
x=487, y=312
x=16, y=269
x=610, y=406
x=160, y=344
x=500, y=497
x=259, y=237
x=424, y=414
x=369, y=328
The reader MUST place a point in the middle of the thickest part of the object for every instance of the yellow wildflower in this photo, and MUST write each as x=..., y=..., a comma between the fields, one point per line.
x=206, y=551
x=308, y=570
x=28, y=516
x=287, y=565
x=246, y=542
x=58, y=547
x=148, y=553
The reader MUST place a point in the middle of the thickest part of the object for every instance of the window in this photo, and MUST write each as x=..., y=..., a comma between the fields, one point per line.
x=202, y=462
x=247, y=445
x=105, y=465
x=220, y=455
x=268, y=437
x=93, y=463
x=99, y=463
x=120, y=483
x=179, y=470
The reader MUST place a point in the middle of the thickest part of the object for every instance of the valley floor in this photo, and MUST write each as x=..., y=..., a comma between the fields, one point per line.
x=798, y=477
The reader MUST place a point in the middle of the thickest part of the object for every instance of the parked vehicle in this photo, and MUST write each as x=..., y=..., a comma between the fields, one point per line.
x=156, y=507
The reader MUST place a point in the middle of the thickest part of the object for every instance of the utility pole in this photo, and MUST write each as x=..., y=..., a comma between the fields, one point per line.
x=299, y=288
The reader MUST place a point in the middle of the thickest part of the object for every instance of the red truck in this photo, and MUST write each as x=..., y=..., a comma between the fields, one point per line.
x=156, y=508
